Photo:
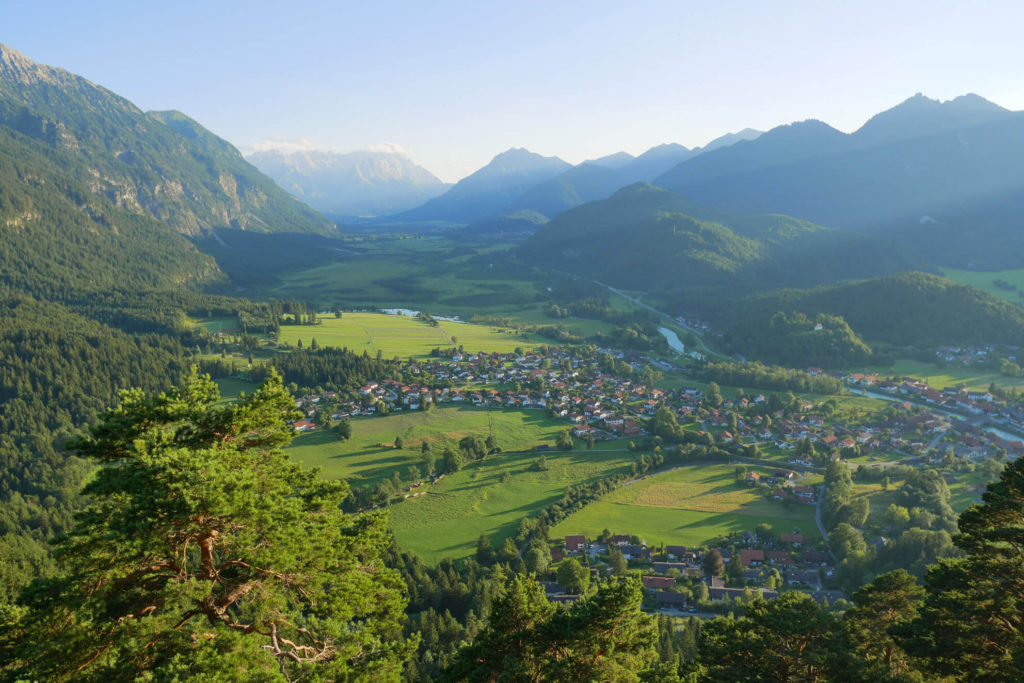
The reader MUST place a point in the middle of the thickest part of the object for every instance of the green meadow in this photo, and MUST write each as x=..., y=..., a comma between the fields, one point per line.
x=691, y=505
x=370, y=456
x=404, y=336
x=941, y=377
x=985, y=280
x=448, y=521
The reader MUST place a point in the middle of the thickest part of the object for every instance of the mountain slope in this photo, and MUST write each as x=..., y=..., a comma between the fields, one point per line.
x=490, y=190
x=63, y=239
x=160, y=165
x=924, y=172
x=363, y=183
x=648, y=238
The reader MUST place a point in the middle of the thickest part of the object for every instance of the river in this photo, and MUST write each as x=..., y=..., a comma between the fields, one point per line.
x=936, y=409
x=674, y=342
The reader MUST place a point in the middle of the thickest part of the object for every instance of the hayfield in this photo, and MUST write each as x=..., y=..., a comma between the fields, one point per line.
x=941, y=377
x=690, y=505
x=403, y=336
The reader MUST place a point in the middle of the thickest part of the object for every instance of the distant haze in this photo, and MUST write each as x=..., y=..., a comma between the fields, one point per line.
x=455, y=83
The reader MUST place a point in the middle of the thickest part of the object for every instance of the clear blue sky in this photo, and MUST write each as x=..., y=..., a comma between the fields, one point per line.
x=456, y=82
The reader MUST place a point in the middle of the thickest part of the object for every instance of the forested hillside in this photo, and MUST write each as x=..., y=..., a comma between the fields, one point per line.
x=908, y=309
x=647, y=238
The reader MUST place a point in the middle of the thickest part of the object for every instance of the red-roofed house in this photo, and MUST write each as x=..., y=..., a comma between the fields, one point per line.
x=574, y=544
x=657, y=582
x=749, y=557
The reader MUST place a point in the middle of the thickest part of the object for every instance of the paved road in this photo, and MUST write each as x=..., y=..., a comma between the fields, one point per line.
x=817, y=518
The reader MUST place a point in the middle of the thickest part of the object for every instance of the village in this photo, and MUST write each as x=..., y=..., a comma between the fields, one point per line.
x=693, y=579
x=611, y=394
x=605, y=395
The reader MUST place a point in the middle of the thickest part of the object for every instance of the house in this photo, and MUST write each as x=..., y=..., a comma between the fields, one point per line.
x=675, y=552
x=753, y=478
x=575, y=544
x=635, y=552
x=804, y=577
x=751, y=556
x=303, y=426
x=657, y=582
x=796, y=540
x=780, y=557
x=816, y=557
x=805, y=494
x=667, y=599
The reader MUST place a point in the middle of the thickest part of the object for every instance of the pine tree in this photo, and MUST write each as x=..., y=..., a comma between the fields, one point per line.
x=208, y=553
x=971, y=625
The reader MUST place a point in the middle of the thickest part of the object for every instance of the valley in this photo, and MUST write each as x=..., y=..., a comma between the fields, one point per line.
x=344, y=413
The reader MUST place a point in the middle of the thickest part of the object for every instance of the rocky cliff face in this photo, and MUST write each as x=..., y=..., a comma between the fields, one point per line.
x=361, y=183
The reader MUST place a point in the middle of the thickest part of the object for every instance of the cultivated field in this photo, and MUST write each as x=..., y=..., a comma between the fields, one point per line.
x=403, y=336
x=369, y=456
x=689, y=506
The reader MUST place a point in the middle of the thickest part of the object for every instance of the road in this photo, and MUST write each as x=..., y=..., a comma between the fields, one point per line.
x=817, y=518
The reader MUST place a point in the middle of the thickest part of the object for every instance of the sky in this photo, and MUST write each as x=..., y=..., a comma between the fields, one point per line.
x=454, y=83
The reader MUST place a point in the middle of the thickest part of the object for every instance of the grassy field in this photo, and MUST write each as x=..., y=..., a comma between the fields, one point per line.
x=363, y=460
x=231, y=387
x=448, y=521
x=985, y=280
x=946, y=377
x=437, y=274
x=690, y=506
x=403, y=336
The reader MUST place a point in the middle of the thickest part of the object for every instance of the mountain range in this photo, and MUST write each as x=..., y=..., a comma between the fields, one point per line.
x=498, y=184
x=355, y=184
x=947, y=177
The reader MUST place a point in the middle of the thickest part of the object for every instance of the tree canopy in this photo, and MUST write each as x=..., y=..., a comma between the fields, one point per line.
x=206, y=551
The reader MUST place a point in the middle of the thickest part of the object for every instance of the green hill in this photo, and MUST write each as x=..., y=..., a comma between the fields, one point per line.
x=908, y=309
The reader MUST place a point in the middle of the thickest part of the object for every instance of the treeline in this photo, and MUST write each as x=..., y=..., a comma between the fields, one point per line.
x=769, y=377
x=338, y=369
